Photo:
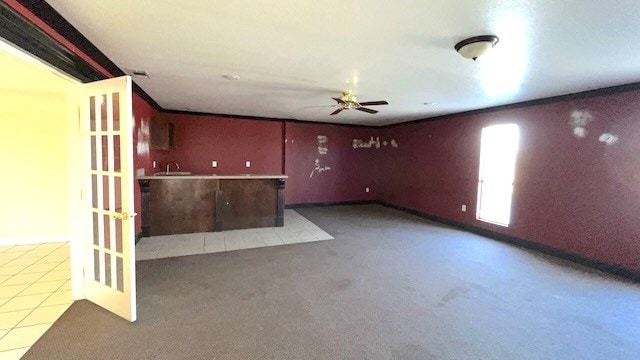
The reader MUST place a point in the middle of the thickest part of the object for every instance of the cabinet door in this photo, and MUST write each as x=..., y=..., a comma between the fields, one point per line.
x=249, y=203
x=162, y=134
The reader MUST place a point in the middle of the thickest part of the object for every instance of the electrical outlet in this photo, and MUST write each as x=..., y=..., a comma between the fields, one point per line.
x=464, y=208
x=155, y=165
x=214, y=163
x=247, y=163
x=366, y=189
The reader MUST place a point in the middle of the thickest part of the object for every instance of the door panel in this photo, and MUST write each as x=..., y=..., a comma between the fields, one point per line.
x=106, y=116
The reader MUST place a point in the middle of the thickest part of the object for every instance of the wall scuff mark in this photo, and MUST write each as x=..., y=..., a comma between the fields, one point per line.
x=323, y=149
x=608, y=139
x=579, y=121
x=318, y=168
x=373, y=143
x=323, y=146
x=144, y=138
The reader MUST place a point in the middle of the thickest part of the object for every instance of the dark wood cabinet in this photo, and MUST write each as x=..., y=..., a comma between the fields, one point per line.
x=249, y=204
x=162, y=132
x=194, y=204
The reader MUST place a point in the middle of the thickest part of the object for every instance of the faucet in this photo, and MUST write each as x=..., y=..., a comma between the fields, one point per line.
x=169, y=165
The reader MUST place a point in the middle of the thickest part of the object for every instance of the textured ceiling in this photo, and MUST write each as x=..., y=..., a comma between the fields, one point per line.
x=292, y=55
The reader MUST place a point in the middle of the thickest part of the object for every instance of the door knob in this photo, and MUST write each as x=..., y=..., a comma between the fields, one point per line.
x=123, y=216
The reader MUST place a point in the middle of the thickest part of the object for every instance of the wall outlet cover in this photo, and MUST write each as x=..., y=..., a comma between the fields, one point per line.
x=247, y=163
x=464, y=208
x=366, y=189
x=214, y=163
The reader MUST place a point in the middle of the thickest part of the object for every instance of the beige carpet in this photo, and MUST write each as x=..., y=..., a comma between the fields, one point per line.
x=391, y=286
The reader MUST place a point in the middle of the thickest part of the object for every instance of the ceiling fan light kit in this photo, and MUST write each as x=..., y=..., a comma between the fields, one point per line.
x=348, y=102
x=474, y=47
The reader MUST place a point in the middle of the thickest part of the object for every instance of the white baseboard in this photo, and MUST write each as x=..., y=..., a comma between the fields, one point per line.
x=33, y=240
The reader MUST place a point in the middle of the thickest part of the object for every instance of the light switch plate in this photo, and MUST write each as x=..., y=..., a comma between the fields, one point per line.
x=214, y=163
x=247, y=163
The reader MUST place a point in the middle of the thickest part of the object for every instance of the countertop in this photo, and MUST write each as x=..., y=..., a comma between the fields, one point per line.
x=211, y=176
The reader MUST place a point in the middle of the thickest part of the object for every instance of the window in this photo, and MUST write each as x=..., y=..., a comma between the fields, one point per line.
x=499, y=147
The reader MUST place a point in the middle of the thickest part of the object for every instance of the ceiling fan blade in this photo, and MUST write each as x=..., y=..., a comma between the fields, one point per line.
x=336, y=112
x=370, y=111
x=369, y=103
x=340, y=101
x=320, y=106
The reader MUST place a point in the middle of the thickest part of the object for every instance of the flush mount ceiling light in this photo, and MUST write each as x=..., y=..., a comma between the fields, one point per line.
x=232, y=77
x=474, y=47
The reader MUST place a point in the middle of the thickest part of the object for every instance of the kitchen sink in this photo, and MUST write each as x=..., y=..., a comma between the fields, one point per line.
x=172, y=173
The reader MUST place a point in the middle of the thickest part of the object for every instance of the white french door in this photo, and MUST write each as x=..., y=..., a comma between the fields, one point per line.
x=106, y=123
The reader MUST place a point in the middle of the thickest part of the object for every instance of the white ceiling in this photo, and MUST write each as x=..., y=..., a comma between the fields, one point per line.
x=292, y=55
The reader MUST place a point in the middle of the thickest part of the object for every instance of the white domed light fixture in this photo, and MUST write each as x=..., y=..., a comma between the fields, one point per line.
x=474, y=47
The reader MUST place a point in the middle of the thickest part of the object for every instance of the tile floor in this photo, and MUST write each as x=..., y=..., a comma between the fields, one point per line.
x=297, y=229
x=35, y=291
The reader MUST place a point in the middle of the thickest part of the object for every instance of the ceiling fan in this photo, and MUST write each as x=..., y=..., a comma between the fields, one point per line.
x=347, y=101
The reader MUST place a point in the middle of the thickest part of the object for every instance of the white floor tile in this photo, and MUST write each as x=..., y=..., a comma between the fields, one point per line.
x=14, y=354
x=38, y=268
x=58, y=298
x=20, y=279
x=44, y=315
x=55, y=275
x=22, y=268
x=11, y=290
x=53, y=259
x=24, y=260
x=22, y=337
x=42, y=287
x=24, y=302
x=297, y=229
x=65, y=265
x=244, y=243
x=8, y=320
x=66, y=286
x=11, y=270
x=5, y=248
x=214, y=244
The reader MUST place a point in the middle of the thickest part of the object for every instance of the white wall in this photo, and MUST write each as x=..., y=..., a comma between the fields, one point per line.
x=34, y=153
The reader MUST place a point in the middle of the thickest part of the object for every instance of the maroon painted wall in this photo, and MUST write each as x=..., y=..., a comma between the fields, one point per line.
x=575, y=194
x=231, y=142
x=352, y=170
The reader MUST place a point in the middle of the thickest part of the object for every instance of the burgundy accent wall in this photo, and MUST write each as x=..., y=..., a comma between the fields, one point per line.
x=202, y=139
x=351, y=169
x=575, y=194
